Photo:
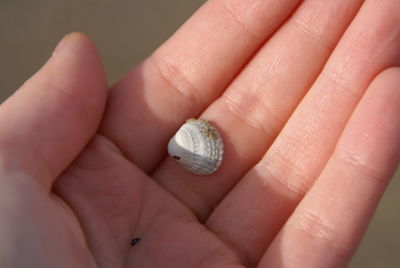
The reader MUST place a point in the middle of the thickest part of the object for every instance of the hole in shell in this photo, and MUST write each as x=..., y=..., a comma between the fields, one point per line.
x=176, y=157
x=135, y=241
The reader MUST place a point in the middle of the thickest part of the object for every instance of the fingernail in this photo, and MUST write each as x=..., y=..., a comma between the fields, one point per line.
x=60, y=44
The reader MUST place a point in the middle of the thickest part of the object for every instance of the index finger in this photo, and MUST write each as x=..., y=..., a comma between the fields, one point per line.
x=187, y=73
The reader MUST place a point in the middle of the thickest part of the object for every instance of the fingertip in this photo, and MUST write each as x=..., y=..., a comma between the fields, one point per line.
x=385, y=89
x=76, y=37
x=76, y=57
x=389, y=77
x=79, y=48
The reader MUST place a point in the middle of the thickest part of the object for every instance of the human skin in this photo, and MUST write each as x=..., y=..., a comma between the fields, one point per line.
x=305, y=94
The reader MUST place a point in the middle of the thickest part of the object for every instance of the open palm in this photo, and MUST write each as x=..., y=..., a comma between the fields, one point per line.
x=303, y=96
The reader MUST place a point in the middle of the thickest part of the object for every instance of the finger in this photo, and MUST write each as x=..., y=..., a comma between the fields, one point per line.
x=255, y=107
x=272, y=189
x=189, y=71
x=48, y=121
x=330, y=221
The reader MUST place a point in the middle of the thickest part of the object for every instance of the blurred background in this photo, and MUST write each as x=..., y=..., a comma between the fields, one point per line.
x=125, y=32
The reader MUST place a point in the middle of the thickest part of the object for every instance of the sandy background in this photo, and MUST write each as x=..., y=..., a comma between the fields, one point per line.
x=125, y=32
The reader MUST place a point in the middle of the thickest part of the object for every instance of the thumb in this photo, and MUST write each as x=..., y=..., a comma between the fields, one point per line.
x=49, y=120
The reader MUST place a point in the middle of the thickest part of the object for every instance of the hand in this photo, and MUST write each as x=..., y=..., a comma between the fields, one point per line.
x=309, y=120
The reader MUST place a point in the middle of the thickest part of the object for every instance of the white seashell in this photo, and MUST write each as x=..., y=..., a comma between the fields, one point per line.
x=197, y=146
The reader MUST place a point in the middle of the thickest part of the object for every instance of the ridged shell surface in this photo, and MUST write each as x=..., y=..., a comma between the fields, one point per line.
x=197, y=146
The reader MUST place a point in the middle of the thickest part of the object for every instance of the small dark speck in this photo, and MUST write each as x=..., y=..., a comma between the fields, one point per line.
x=135, y=241
x=176, y=157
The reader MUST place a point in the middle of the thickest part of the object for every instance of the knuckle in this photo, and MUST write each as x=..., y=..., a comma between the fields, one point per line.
x=321, y=233
x=356, y=161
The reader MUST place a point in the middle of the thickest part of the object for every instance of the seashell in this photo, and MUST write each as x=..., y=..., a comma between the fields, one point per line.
x=197, y=146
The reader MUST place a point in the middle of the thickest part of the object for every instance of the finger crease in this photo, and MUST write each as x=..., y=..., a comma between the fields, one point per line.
x=361, y=167
x=245, y=260
x=320, y=232
x=179, y=82
x=268, y=127
x=228, y=10
x=294, y=185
